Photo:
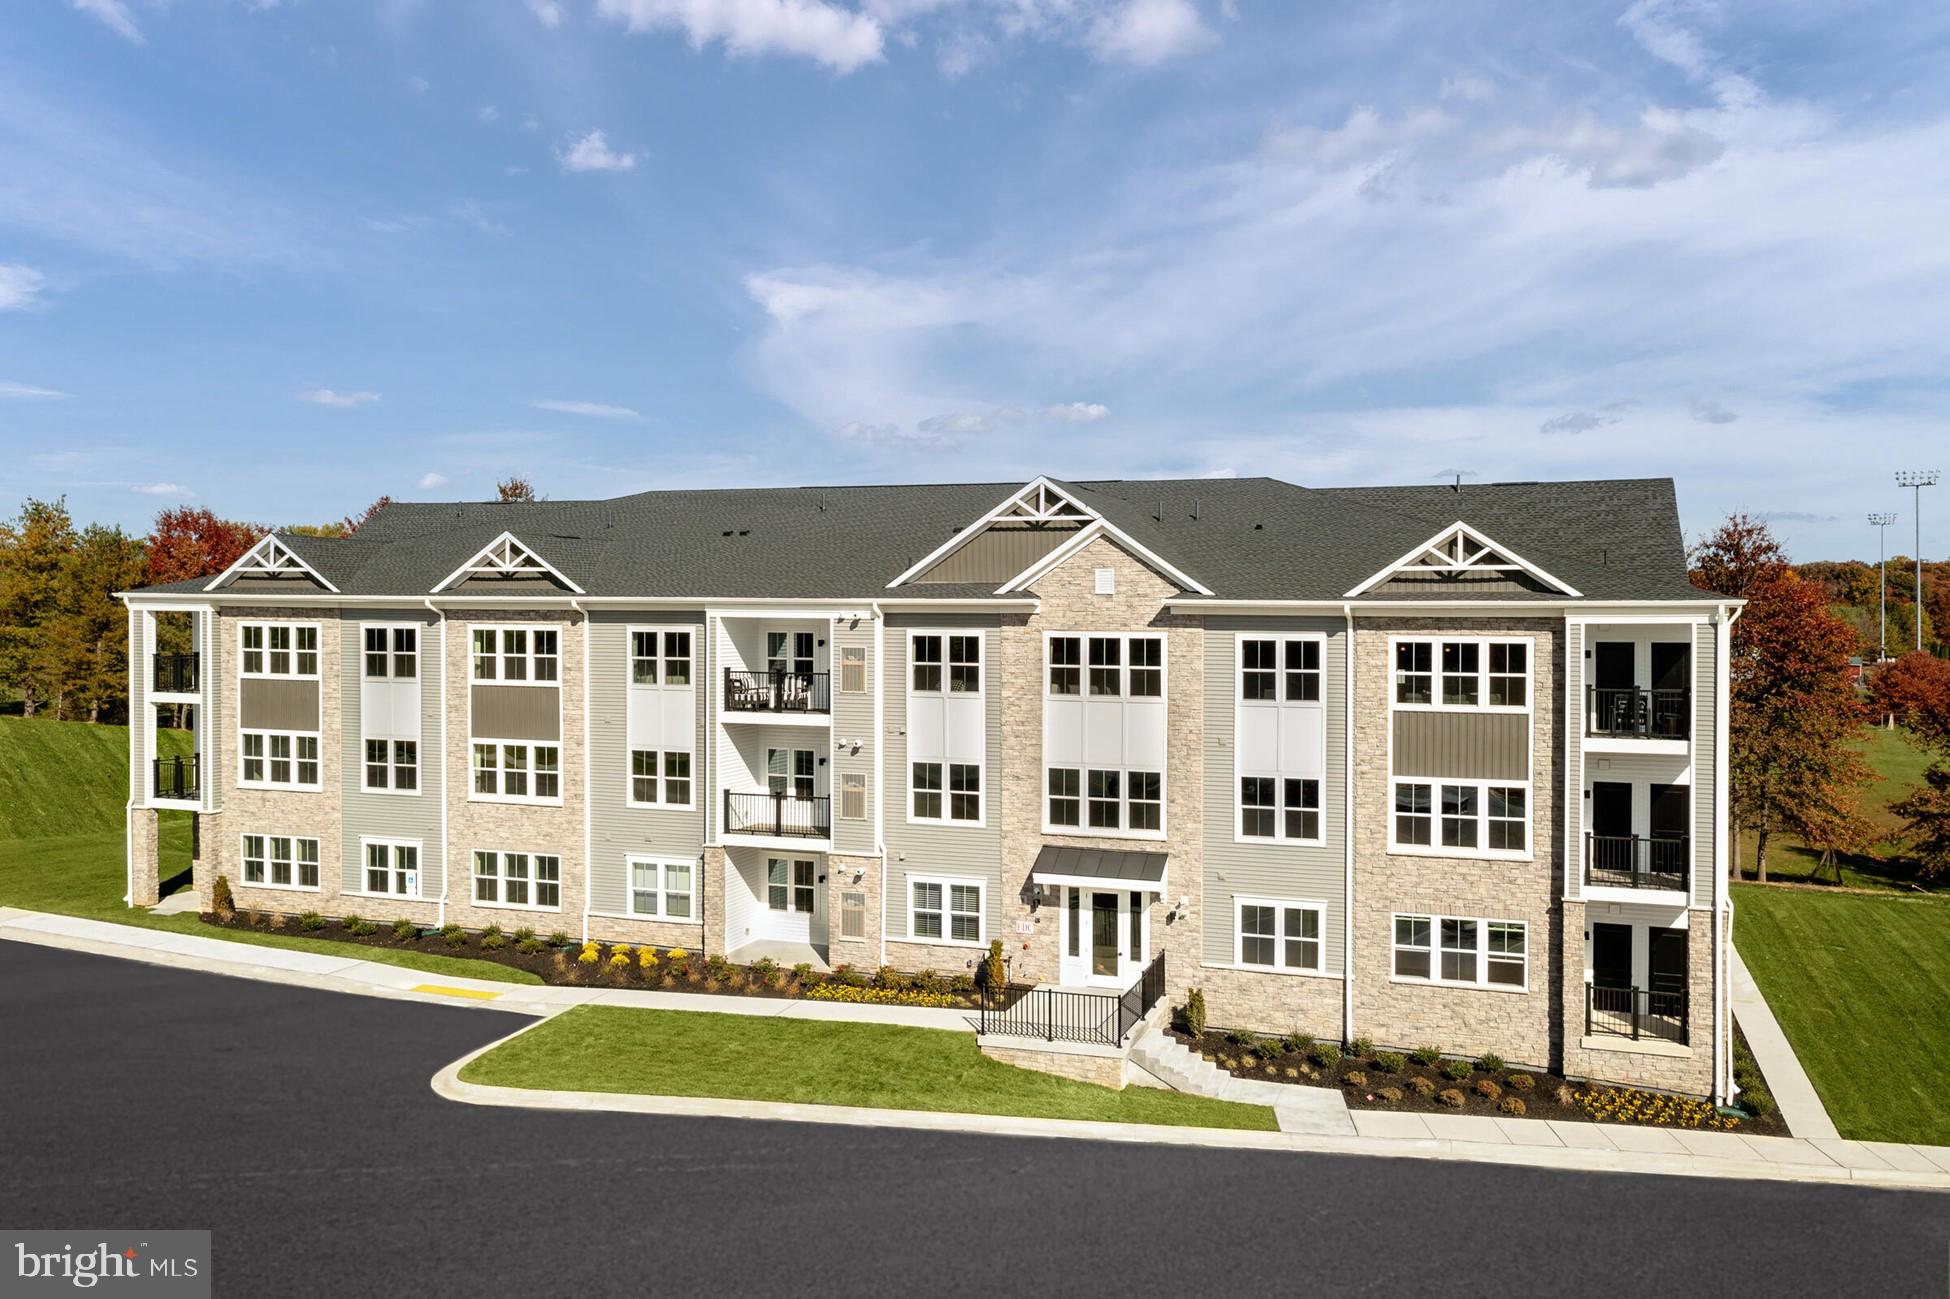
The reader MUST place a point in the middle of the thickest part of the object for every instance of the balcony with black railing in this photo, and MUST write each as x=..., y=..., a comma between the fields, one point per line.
x=1634, y=861
x=777, y=691
x=1639, y=1014
x=175, y=778
x=779, y=816
x=173, y=674
x=1632, y=712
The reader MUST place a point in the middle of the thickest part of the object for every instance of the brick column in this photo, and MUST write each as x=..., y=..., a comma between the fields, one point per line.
x=145, y=882
x=713, y=884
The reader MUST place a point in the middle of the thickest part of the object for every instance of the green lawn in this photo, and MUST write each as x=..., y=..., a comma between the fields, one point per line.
x=1861, y=986
x=64, y=778
x=813, y=1062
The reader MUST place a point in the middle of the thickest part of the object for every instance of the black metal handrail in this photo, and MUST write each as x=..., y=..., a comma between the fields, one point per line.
x=1637, y=861
x=173, y=674
x=1644, y=714
x=1637, y=1013
x=785, y=816
x=175, y=777
x=777, y=691
x=1058, y=1015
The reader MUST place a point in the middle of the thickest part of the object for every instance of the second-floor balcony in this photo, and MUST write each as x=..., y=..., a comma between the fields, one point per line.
x=1635, y=712
x=173, y=674
x=1632, y=861
x=777, y=691
x=175, y=778
x=778, y=815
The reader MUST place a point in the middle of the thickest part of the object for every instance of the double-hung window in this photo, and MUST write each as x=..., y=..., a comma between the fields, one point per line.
x=279, y=759
x=392, y=653
x=946, y=910
x=393, y=764
x=1279, y=738
x=525, y=655
x=1105, y=669
x=392, y=868
x=1462, y=673
x=660, y=779
x=517, y=773
x=1280, y=807
x=1474, y=818
x=278, y=649
x=1273, y=670
x=518, y=879
x=660, y=658
x=280, y=861
x=963, y=788
x=789, y=884
x=1461, y=950
x=1279, y=935
x=661, y=889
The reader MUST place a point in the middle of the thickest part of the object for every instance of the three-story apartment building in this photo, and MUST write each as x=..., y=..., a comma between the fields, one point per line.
x=1426, y=765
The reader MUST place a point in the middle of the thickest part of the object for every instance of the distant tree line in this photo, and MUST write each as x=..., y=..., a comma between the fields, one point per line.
x=1851, y=590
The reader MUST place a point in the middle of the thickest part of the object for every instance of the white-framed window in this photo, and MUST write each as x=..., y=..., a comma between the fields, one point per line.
x=392, y=766
x=1105, y=666
x=1275, y=934
x=660, y=778
x=1273, y=669
x=1066, y=796
x=392, y=652
x=1281, y=808
x=279, y=861
x=946, y=791
x=947, y=662
x=1461, y=950
x=792, y=772
x=1105, y=799
x=660, y=657
x=278, y=760
x=945, y=909
x=392, y=867
x=853, y=796
x=1470, y=673
x=853, y=669
x=510, y=772
x=1461, y=818
x=661, y=888
x=278, y=649
x=532, y=881
x=525, y=655
x=790, y=884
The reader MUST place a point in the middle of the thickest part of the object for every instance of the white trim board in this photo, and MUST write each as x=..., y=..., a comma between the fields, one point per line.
x=1449, y=549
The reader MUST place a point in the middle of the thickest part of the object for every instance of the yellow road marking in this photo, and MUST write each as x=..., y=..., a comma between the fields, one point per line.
x=475, y=993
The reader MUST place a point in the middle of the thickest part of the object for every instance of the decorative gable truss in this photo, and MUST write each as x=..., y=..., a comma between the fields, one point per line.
x=507, y=556
x=272, y=558
x=1040, y=526
x=1459, y=552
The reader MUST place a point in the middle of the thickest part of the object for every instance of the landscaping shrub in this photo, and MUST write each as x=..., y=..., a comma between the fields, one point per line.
x=1425, y=1055
x=360, y=928
x=1389, y=1062
x=1564, y=1095
x=311, y=920
x=1450, y=1097
x=522, y=935
x=716, y=967
x=765, y=972
x=1757, y=1100
x=929, y=981
x=1356, y=1079
x=678, y=964
x=802, y=973
x=1522, y=1082
x=891, y=979
x=1490, y=1062
x=1392, y=1095
x=530, y=945
x=1248, y=1061
x=1513, y=1106
x=275, y=920
x=1632, y=1105
x=222, y=904
x=1326, y=1054
x=492, y=939
x=1243, y=1037
x=1424, y=1087
x=1195, y=1011
x=646, y=960
x=847, y=977
x=1361, y=1047
x=405, y=931
x=558, y=939
x=1457, y=1070
x=588, y=955
x=962, y=983
x=998, y=970
x=1488, y=1090
x=877, y=996
x=254, y=917
x=1300, y=1043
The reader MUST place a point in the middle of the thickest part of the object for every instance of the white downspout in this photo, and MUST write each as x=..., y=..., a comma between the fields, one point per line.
x=879, y=764
x=1347, y=829
x=1723, y=896
x=588, y=867
x=446, y=772
x=138, y=662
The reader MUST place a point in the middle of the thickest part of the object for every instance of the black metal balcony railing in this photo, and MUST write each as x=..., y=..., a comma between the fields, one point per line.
x=1643, y=714
x=174, y=674
x=1633, y=861
x=175, y=777
x=776, y=691
x=1637, y=1013
x=1102, y=1018
x=785, y=816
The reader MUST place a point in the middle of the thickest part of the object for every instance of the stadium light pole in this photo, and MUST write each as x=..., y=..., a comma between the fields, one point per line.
x=1881, y=524
x=1917, y=480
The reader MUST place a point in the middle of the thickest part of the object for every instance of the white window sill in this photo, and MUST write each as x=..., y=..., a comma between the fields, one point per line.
x=1270, y=969
x=1277, y=841
x=386, y=897
x=280, y=789
x=1461, y=708
x=514, y=906
x=1086, y=832
x=281, y=888
x=697, y=923
x=1457, y=854
x=658, y=807
x=949, y=822
x=979, y=944
x=1463, y=987
x=389, y=791
x=514, y=802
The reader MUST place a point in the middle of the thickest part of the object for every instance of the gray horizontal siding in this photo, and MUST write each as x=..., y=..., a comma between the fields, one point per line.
x=391, y=816
x=1462, y=746
x=1306, y=874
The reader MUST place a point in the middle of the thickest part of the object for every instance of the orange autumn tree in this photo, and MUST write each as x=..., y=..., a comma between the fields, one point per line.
x=1792, y=765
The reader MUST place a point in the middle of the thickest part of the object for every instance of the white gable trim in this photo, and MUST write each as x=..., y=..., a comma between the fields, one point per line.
x=1460, y=548
x=269, y=558
x=1092, y=531
x=1039, y=501
x=506, y=554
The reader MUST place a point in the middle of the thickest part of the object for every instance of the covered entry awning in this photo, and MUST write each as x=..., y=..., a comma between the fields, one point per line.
x=1100, y=868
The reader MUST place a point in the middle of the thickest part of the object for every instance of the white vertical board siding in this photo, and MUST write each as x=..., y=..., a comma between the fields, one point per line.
x=1706, y=706
x=1572, y=797
x=1274, y=870
x=390, y=710
x=943, y=849
x=142, y=717
x=619, y=713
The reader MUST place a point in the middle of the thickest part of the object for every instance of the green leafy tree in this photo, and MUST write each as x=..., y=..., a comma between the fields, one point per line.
x=1926, y=822
x=34, y=550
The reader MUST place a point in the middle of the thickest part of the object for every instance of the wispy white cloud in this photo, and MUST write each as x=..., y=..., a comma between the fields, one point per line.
x=431, y=480
x=1708, y=411
x=1149, y=32
x=114, y=15
x=593, y=409
x=1077, y=412
x=547, y=12
x=19, y=286
x=840, y=38
x=10, y=391
x=487, y=114
x=591, y=152
x=342, y=400
x=175, y=490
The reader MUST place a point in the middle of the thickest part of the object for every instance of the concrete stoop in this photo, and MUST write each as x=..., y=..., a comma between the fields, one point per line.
x=1316, y=1110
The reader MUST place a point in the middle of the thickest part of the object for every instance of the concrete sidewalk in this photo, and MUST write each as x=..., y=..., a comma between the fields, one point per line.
x=1537, y=1143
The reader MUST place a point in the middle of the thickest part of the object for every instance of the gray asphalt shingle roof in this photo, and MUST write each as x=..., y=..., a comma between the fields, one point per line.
x=1245, y=538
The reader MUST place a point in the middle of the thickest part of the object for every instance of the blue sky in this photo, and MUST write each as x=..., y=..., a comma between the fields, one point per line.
x=280, y=258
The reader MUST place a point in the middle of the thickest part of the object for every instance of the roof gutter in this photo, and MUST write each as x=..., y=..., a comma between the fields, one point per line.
x=758, y=605
x=1190, y=604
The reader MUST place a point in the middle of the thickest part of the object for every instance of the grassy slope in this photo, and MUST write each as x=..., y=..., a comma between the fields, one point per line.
x=65, y=784
x=741, y=1057
x=1898, y=763
x=1861, y=986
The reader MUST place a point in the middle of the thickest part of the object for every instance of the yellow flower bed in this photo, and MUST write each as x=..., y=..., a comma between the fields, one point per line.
x=880, y=996
x=1630, y=1105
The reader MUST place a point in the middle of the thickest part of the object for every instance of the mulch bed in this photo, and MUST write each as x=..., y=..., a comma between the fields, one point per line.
x=557, y=965
x=1550, y=1096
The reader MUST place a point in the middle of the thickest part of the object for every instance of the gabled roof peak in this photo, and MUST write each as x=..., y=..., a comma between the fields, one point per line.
x=507, y=556
x=271, y=557
x=1458, y=551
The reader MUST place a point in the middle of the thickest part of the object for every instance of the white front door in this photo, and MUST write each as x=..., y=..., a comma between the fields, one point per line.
x=794, y=905
x=1105, y=935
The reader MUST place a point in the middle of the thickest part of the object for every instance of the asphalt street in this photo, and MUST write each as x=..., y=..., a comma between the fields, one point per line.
x=299, y=1128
